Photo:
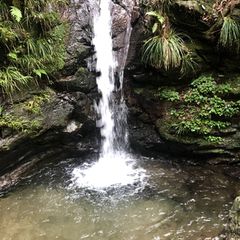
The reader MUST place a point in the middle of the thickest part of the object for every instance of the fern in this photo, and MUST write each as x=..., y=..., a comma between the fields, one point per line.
x=16, y=13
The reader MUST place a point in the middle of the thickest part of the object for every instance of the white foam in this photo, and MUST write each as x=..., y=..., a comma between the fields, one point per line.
x=114, y=170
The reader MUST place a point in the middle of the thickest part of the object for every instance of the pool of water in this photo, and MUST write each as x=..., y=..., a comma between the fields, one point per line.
x=173, y=202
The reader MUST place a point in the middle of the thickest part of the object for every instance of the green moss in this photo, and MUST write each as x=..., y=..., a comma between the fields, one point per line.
x=34, y=105
x=26, y=116
x=19, y=124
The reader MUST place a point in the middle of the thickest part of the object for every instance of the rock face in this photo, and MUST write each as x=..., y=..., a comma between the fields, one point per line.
x=151, y=107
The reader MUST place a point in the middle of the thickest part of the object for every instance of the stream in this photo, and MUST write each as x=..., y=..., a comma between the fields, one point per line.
x=173, y=202
x=117, y=195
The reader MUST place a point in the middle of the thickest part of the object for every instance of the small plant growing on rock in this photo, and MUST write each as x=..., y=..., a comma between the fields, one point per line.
x=166, y=49
x=230, y=34
x=168, y=94
x=226, y=25
x=205, y=110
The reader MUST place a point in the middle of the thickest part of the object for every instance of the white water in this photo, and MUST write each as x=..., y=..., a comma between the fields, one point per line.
x=115, y=166
x=106, y=65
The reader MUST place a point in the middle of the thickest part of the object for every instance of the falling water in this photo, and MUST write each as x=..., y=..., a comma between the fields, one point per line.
x=115, y=167
x=106, y=65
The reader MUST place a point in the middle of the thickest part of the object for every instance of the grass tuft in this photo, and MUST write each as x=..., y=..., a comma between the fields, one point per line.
x=230, y=34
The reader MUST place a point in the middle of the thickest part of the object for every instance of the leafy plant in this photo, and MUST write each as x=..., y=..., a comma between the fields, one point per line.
x=204, y=111
x=166, y=48
x=230, y=34
x=225, y=25
x=168, y=94
x=16, y=13
x=163, y=51
x=31, y=41
x=213, y=139
x=11, y=79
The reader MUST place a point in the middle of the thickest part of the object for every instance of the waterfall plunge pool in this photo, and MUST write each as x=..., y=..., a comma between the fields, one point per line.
x=170, y=202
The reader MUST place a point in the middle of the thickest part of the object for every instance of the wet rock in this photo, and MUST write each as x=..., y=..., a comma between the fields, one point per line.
x=79, y=47
x=53, y=133
x=151, y=118
x=124, y=13
x=65, y=122
x=233, y=230
x=83, y=80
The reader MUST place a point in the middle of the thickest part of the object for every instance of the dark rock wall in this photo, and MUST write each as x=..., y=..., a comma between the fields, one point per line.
x=150, y=114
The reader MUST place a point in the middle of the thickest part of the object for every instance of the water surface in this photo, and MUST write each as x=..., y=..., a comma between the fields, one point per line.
x=176, y=203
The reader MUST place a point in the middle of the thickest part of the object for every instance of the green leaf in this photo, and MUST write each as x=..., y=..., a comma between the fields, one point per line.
x=155, y=27
x=39, y=72
x=1, y=110
x=159, y=17
x=16, y=13
x=12, y=55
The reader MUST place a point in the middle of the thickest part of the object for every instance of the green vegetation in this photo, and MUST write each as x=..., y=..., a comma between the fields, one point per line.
x=34, y=105
x=230, y=34
x=166, y=48
x=226, y=24
x=163, y=51
x=25, y=116
x=31, y=43
x=168, y=94
x=204, y=109
x=18, y=124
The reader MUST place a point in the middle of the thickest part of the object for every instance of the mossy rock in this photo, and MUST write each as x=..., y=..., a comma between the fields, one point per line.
x=36, y=114
x=200, y=6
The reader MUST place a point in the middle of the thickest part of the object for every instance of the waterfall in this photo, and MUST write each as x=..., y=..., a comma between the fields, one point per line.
x=115, y=166
x=105, y=82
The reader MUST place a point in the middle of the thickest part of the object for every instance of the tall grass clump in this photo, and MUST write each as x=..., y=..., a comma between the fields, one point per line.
x=230, y=34
x=165, y=48
x=164, y=51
